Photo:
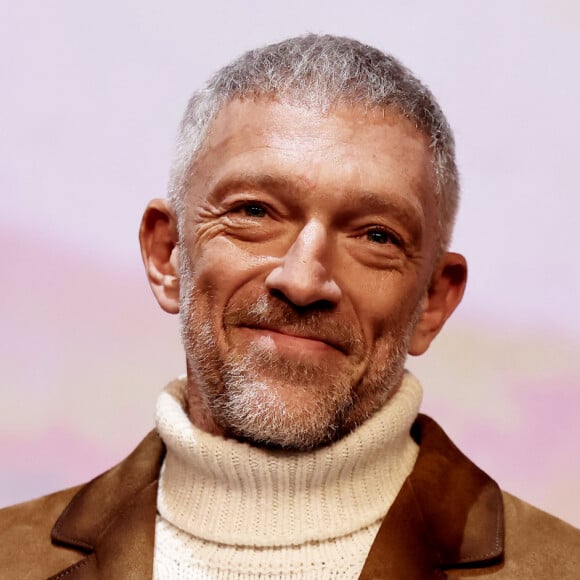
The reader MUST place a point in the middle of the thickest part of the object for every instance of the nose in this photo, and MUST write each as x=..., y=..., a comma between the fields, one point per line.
x=303, y=276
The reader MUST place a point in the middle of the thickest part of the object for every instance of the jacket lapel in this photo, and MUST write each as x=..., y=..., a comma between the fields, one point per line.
x=448, y=514
x=403, y=547
x=111, y=520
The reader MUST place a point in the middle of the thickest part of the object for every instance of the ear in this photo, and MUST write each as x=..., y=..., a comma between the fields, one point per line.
x=444, y=294
x=158, y=239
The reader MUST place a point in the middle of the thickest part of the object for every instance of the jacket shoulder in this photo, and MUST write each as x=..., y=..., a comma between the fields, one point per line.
x=25, y=541
x=537, y=544
x=43, y=537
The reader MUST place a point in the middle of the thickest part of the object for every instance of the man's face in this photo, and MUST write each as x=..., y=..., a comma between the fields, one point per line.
x=308, y=240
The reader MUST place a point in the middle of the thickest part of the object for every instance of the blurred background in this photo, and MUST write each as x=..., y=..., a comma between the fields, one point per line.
x=91, y=95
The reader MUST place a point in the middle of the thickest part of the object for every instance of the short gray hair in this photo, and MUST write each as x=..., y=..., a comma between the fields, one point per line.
x=322, y=71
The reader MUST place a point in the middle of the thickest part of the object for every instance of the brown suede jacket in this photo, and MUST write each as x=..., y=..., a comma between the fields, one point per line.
x=450, y=520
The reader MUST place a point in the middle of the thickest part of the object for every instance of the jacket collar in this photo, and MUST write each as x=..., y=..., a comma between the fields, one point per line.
x=448, y=514
x=112, y=518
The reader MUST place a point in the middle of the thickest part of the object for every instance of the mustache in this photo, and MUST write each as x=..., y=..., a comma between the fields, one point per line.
x=270, y=313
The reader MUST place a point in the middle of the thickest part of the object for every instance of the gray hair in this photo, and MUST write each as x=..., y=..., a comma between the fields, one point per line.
x=322, y=71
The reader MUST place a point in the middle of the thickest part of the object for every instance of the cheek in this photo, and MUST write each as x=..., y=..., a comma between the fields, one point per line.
x=384, y=303
x=220, y=267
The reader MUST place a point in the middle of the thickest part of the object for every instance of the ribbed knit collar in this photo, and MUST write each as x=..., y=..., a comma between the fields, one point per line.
x=225, y=491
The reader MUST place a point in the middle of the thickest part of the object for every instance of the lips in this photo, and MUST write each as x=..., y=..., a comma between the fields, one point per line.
x=300, y=334
x=270, y=315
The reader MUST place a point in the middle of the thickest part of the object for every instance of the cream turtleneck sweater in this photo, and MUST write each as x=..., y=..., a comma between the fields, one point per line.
x=228, y=510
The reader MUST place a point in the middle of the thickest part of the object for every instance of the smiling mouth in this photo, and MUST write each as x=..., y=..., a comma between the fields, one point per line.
x=296, y=340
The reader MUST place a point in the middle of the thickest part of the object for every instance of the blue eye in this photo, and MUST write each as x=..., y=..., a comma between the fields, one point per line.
x=382, y=237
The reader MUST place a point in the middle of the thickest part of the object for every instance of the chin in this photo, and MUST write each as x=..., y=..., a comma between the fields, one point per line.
x=283, y=416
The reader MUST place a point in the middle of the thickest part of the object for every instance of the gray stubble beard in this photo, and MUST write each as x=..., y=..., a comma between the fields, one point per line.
x=244, y=404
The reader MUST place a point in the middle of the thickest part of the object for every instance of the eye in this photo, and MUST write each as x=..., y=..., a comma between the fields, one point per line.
x=253, y=210
x=381, y=236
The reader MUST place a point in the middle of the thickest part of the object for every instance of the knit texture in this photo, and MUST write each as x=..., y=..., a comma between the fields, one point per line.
x=228, y=510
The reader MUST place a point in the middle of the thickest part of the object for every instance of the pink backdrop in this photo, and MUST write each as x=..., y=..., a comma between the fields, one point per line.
x=91, y=96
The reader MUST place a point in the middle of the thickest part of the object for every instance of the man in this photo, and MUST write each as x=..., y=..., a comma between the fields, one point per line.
x=304, y=245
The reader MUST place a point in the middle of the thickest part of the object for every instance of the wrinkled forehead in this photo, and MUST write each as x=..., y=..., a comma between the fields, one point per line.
x=245, y=120
x=369, y=141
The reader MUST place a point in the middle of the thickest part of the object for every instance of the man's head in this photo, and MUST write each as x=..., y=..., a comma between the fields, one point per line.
x=311, y=202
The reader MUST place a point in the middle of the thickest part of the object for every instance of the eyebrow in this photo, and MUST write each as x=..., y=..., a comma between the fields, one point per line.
x=247, y=179
x=398, y=205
